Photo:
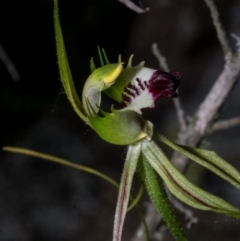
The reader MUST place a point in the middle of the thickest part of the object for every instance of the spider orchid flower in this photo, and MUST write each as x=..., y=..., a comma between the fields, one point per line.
x=136, y=88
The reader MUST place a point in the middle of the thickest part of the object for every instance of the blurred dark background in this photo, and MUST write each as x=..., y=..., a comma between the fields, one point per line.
x=41, y=201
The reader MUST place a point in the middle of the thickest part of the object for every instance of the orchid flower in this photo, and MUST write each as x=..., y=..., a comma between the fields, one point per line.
x=136, y=88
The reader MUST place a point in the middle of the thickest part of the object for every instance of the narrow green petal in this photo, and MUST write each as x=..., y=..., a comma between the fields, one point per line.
x=92, y=65
x=181, y=187
x=158, y=195
x=125, y=188
x=129, y=65
x=105, y=56
x=65, y=73
x=100, y=56
x=208, y=159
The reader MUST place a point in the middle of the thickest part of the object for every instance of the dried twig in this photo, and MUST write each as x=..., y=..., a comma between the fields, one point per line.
x=177, y=103
x=9, y=64
x=160, y=58
x=237, y=38
x=216, y=96
x=133, y=6
x=219, y=29
x=210, y=106
x=208, y=109
x=221, y=89
x=225, y=124
x=180, y=114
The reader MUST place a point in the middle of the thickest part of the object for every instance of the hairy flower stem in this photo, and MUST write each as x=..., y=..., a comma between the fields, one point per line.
x=158, y=195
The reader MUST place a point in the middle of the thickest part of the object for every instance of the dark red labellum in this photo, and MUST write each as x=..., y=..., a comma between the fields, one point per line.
x=164, y=84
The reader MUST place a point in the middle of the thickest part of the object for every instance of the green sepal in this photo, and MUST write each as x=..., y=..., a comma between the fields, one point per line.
x=65, y=73
x=180, y=187
x=208, y=159
x=158, y=195
x=126, y=76
x=120, y=127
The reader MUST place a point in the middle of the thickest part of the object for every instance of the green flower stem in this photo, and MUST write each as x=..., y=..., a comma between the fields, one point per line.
x=158, y=195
